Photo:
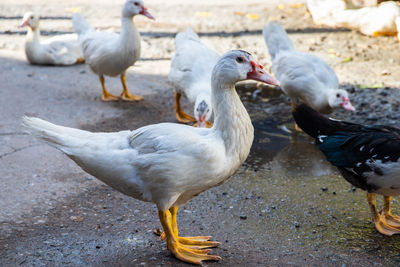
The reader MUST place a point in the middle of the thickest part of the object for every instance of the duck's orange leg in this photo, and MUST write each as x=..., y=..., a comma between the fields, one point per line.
x=180, y=250
x=106, y=96
x=125, y=95
x=379, y=220
x=181, y=116
x=386, y=212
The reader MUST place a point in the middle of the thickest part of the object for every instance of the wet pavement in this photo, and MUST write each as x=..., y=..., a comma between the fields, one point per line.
x=286, y=206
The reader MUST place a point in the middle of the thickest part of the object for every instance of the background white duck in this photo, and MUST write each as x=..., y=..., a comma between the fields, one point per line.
x=372, y=20
x=190, y=74
x=303, y=76
x=111, y=53
x=59, y=50
x=167, y=163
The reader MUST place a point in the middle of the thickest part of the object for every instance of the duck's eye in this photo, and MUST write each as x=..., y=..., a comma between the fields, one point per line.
x=136, y=3
x=337, y=95
x=239, y=60
x=31, y=17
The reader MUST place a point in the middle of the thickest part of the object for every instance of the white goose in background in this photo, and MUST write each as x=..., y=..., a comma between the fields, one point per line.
x=169, y=164
x=372, y=20
x=190, y=74
x=303, y=76
x=109, y=53
x=59, y=50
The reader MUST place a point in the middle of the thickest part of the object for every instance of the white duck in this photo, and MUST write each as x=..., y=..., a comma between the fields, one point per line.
x=373, y=20
x=303, y=76
x=190, y=74
x=110, y=53
x=59, y=50
x=169, y=164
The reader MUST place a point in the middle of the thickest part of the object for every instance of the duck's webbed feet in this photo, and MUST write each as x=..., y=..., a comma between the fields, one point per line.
x=386, y=212
x=385, y=223
x=125, y=95
x=106, y=96
x=189, y=249
x=208, y=124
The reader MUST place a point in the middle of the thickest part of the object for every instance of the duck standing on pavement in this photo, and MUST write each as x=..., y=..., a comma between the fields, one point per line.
x=168, y=163
x=109, y=53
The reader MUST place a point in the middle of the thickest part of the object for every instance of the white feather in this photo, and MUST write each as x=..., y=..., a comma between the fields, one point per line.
x=388, y=184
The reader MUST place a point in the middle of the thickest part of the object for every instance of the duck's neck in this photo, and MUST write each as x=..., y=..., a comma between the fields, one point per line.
x=318, y=100
x=33, y=35
x=232, y=121
x=323, y=101
x=129, y=37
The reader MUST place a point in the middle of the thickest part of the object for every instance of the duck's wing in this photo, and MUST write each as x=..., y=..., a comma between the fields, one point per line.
x=367, y=156
x=322, y=71
x=192, y=63
x=167, y=137
x=94, y=44
x=174, y=159
x=64, y=49
x=309, y=70
x=301, y=75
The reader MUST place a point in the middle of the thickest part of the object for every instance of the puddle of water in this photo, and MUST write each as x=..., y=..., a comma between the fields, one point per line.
x=292, y=154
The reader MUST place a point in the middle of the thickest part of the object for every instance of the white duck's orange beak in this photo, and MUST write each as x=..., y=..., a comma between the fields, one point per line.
x=258, y=74
x=146, y=13
x=24, y=23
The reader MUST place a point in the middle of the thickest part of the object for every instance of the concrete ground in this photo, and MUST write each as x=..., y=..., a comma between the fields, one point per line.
x=285, y=206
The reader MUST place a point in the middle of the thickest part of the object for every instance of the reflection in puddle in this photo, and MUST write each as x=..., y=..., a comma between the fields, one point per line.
x=290, y=154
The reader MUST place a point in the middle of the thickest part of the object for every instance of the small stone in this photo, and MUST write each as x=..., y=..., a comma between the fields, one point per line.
x=76, y=218
x=296, y=224
x=243, y=217
x=324, y=189
x=157, y=231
